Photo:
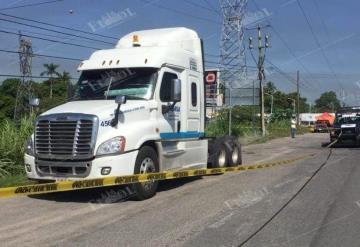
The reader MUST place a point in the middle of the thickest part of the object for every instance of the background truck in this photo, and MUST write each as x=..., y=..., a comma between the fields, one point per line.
x=346, y=125
x=138, y=108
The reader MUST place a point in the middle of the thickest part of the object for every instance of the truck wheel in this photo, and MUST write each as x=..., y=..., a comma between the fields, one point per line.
x=146, y=162
x=235, y=155
x=217, y=154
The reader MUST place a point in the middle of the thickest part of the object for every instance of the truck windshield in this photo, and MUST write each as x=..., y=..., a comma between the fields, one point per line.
x=348, y=120
x=134, y=83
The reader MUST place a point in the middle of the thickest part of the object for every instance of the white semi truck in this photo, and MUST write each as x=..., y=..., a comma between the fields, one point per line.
x=138, y=108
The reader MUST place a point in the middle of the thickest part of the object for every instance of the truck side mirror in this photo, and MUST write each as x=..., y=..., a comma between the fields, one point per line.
x=175, y=90
x=34, y=102
x=119, y=100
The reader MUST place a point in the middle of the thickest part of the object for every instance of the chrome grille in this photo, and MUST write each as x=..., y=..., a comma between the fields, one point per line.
x=65, y=136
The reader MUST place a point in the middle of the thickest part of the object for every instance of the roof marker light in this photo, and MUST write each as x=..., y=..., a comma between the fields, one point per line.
x=136, y=40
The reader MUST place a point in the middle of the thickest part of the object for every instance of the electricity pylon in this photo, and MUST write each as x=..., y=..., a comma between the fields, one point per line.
x=24, y=90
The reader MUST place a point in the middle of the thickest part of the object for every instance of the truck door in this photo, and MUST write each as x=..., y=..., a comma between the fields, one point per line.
x=169, y=121
x=193, y=120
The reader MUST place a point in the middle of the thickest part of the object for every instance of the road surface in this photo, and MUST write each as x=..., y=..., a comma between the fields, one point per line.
x=221, y=210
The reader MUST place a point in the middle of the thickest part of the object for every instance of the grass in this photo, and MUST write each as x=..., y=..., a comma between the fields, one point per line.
x=12, y=148
x=14, y=180
x=273, y=133
x=248, y=134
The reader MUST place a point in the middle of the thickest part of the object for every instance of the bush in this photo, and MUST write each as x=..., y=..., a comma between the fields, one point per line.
x=12, y=140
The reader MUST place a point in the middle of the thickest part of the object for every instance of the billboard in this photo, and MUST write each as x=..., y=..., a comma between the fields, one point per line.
x=249, y=94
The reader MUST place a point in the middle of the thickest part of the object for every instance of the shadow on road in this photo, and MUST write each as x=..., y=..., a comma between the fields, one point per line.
x=108, y=195
x=344, y=144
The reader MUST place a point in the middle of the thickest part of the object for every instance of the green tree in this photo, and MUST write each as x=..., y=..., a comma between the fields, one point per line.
x=328, y=102
x=8, y=90
x=50, y=71
x=65, y=79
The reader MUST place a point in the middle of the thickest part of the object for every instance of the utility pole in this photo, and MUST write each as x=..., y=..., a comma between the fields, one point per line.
x=293, y=105
x=261, y=71
x=298, y=98
x=24, y=90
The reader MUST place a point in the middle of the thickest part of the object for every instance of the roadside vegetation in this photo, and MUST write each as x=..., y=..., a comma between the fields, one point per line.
x=246, y=125
x=13, y=136
x=12, y=140
x=246, y=119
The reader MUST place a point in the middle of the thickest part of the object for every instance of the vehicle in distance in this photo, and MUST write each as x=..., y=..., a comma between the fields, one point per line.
x=138, y=108
x=322, y=126
x=346, y=125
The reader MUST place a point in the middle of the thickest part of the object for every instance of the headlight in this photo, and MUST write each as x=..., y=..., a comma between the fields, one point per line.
x=115, y=145
x=29, y=147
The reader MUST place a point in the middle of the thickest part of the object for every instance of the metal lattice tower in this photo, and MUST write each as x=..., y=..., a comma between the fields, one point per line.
x=24, y=90
x=232, y=49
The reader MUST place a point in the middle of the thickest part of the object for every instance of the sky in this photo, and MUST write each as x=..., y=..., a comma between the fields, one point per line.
x=324, y=47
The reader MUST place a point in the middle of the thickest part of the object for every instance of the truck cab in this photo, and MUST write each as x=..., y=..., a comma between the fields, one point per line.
x=138, y=108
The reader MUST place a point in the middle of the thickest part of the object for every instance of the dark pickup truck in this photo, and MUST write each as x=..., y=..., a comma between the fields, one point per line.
x=346, y=125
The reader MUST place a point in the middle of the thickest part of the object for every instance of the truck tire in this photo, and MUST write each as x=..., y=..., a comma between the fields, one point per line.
x=219, y=151
x=146, y=162
x=235, y=157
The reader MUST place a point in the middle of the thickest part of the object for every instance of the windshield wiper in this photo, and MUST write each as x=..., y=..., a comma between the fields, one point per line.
x=108, y=89
x=134, y=97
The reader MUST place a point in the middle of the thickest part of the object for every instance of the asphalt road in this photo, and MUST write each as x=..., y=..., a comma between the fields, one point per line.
x=222, y=210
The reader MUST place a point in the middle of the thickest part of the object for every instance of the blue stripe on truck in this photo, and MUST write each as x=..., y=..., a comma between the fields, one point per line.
x=181, y=135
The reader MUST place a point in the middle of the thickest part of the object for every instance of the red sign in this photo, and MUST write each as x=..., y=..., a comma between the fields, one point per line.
x=210, y=77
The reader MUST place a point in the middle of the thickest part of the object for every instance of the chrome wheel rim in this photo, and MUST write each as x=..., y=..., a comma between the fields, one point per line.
x=222, y=158
x=147, y=166
x=235, y=156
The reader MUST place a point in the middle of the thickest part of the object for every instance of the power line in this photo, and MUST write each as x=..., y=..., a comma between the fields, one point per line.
x=285, y=44
x=41, y=55
x=31, y=5
x=50, y=30
x=202, y=7
x=181, y=12
x=38, y=33
x=51, y=40
x=36, y=77
x=212, y=7
x=318, y=43
x=58, y=26
x=326, y=29
x=284, y=74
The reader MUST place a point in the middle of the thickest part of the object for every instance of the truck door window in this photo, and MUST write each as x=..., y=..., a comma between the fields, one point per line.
x=165, y=89
x=193, y=94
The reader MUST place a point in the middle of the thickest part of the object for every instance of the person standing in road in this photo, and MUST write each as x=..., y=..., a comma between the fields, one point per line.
x=293, y=127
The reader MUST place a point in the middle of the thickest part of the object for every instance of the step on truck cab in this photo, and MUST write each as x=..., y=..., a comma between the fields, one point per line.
x=138, y=108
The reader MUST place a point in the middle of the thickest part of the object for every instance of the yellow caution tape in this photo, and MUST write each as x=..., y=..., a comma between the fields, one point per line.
x=34, y=189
